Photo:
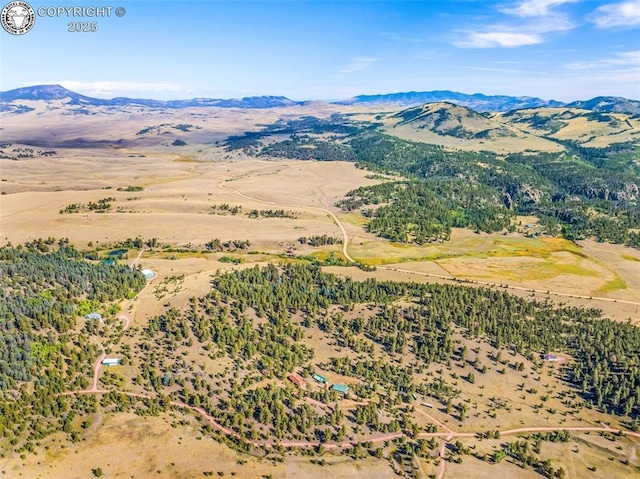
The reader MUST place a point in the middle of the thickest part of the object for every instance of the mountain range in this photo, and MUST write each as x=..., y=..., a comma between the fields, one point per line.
x=57, y=92
x=477, y=101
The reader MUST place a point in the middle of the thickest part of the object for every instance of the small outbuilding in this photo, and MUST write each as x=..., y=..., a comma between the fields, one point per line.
x=549, y=357
x=319, y=379
x=148, y=274
x=94, y=316
x=296, y=379
x=111, y=361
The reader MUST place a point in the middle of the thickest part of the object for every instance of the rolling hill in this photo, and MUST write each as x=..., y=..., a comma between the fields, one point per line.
x=461, y=127
x=591, y=128
x=541, y=129
x=446, y=123
x=453, y=120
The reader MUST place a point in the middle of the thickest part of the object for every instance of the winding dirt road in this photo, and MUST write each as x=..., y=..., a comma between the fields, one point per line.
x=98, y=364
x=127, y=322
x=448, y=435
x=345, y=236
x=126, y=319
x=133, y=263
x=96, y=371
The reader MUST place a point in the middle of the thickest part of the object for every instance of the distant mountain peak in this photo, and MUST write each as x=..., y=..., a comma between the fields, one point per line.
x=476, y=101
x=38, y=92
x=609, y=104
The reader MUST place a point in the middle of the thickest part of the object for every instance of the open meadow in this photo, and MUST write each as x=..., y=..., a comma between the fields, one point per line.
x=176, y=199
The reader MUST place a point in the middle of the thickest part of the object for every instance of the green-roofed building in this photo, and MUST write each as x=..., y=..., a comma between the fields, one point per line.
x=319, y=379
x=341, y=388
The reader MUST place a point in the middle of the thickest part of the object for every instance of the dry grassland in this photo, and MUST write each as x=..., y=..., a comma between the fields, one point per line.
x=176, y=204
x=547, y=264
x=504, y=145
x=128, y=446
x=599, y=134
x=575, y=124
x=584, y=451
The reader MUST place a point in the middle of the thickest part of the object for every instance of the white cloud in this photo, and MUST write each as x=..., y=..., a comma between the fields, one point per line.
x=534, y=8
x=530, y=31
x=619, y=61
x=498, y=70
x=499, y=39
x=401, y=38
x=359, y=64
x=625, y=14
x=620, y=72
x=115, y=88
x=427, y=55
x=555, y=23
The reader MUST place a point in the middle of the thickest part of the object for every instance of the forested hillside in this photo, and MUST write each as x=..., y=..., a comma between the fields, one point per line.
x=257, y=321
x=42, y=353
x=580, y=193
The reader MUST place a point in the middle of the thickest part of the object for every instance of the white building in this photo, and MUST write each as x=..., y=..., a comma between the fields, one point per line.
x=148, y=274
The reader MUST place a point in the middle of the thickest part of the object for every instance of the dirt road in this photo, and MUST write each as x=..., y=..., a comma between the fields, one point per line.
x=507, y=286
x=345, y=236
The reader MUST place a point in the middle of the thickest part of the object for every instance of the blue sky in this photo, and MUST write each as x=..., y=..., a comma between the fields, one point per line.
x=328, y=50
